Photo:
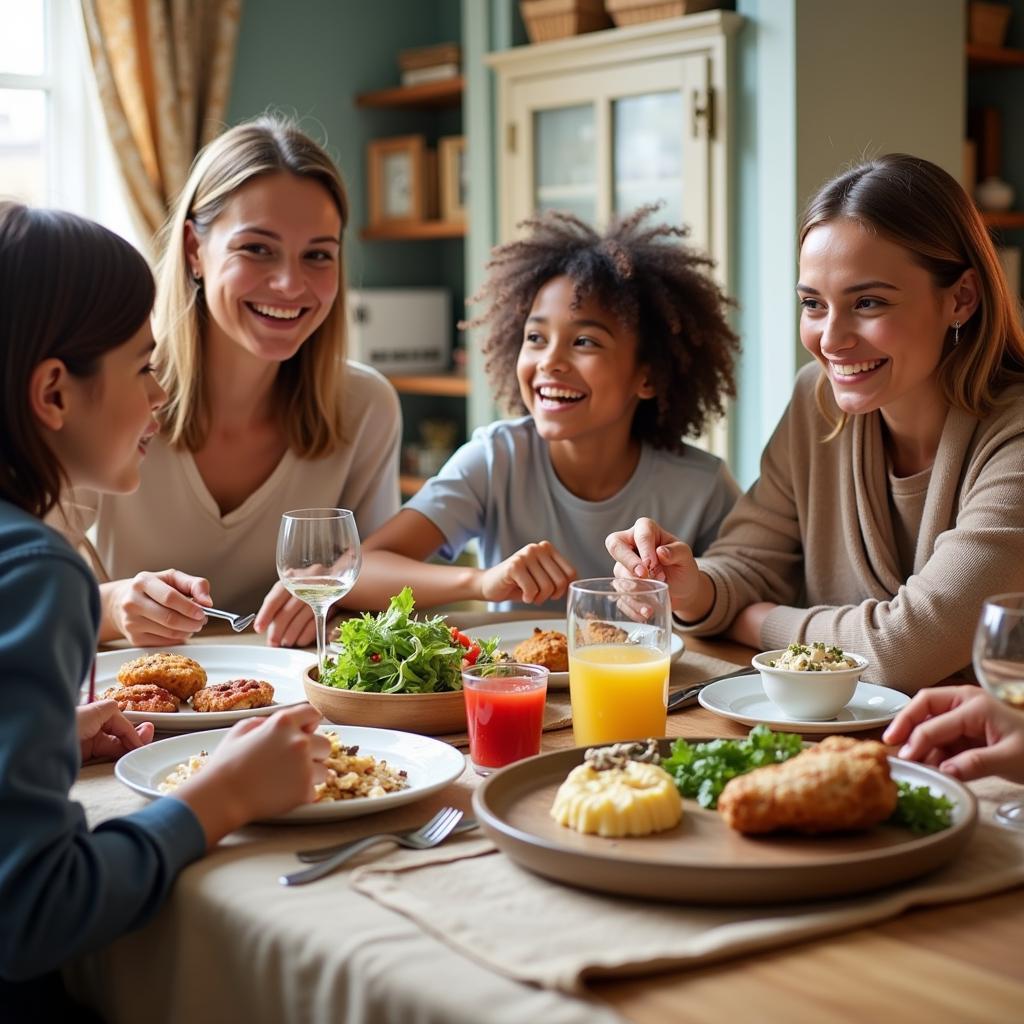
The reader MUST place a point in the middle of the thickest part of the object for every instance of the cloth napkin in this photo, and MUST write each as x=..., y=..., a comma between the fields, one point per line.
x=533, y=930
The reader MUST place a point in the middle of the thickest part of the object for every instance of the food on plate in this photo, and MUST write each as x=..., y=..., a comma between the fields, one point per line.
x=350, y=775
x=545, y=647
x=598, y=632
x=174, y=672
x=392, y=652
x=838, y=785
x=234, y=695
x=619, y=791
x=814, y=657
x=142, y=697
x=920, y=810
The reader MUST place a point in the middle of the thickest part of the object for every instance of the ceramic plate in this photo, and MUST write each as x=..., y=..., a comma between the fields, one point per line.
x=281, y=667
x=513, y=633
x=702, y=860
x=430, y=765
x=743, y=700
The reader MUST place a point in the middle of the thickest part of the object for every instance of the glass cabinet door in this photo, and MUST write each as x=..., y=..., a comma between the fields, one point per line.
x=565, y=160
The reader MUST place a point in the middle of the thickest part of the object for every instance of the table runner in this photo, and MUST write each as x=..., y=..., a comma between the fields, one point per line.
x=531, y=929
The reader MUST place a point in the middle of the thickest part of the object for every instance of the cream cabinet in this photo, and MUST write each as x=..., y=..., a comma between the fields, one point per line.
x=603, y=123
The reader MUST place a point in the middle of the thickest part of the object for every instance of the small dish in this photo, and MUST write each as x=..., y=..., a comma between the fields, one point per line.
x=808, y=696
x=430, y=714
x=743, y=700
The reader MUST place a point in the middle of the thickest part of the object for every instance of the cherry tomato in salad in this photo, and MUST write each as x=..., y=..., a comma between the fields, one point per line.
x=472, y=653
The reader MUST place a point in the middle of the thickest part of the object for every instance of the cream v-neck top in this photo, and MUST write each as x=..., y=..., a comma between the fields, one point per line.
x=172, y=521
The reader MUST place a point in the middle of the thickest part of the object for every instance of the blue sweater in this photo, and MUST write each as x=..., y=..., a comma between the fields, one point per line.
x=64, y=890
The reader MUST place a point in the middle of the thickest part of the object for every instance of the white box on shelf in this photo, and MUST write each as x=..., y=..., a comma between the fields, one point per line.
x=401, y=330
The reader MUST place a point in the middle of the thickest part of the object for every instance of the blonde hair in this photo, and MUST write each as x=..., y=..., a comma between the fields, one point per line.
x=308, y=387
x=920, y=207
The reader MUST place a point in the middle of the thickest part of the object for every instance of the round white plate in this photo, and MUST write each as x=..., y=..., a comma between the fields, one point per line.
x=282, y=667
x=743, y=700
x=510, y=634
x=430, y=765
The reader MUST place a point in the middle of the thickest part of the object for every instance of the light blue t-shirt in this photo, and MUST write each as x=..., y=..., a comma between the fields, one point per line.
x=501, y=489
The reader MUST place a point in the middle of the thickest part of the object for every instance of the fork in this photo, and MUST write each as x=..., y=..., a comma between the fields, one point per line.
x=319, y=853
x=433, y=832
x=238, y=622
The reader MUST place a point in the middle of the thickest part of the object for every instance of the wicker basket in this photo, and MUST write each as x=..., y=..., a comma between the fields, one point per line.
x=556, y=19
x=633, y=12
x=987, y=23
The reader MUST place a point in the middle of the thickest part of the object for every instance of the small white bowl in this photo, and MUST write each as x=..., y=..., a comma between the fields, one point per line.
x=808, y=696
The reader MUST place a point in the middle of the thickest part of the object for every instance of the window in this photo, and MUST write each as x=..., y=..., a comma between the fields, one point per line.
x=54, y=149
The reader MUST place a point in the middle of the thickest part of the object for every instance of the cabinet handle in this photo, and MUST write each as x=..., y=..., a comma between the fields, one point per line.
x=705, y=113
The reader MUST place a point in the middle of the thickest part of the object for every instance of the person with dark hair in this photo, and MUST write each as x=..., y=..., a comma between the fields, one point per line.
x=616, y=347
x=891, y=493
x=79, y=399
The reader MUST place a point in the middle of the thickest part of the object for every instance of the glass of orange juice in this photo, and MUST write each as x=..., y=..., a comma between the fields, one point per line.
x=620, y=634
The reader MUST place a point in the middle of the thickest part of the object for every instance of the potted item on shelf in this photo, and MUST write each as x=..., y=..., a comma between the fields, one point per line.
x=556, y=19
x=987, y=23
x=633, y=12
x=451, y=176
x=399, y=171
x=430, y=63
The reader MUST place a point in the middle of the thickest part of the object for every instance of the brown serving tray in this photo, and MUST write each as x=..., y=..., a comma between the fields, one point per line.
x=702, y=860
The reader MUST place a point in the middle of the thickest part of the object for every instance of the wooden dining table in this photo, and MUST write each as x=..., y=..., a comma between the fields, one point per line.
x=960, y=962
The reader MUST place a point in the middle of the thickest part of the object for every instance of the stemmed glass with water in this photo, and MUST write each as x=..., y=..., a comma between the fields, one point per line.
x=999, y=666
x=318, y=561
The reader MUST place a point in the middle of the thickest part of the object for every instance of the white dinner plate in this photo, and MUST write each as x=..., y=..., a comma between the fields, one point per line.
x=743, y=700
x=429, y=763
x=510, y=634
x=282, y=667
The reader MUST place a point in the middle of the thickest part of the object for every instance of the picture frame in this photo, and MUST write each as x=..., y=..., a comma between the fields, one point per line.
x=398, y=173
x=452, y=177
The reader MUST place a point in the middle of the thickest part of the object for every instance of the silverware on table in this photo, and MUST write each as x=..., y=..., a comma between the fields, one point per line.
x=684, y=698
x=238, y=622
x=426, y=836
x=319, y=853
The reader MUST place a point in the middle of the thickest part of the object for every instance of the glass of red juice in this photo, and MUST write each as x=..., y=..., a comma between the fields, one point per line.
x=504, y=711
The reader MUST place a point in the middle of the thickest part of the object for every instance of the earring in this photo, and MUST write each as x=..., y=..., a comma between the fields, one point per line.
x=956, y=333
x=196, y=276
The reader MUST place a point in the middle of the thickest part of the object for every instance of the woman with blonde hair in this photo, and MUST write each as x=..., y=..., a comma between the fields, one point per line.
x=263, y=414
x=891, y=495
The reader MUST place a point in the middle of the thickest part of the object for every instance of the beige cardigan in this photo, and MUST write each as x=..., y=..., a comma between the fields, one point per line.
x=815, y=535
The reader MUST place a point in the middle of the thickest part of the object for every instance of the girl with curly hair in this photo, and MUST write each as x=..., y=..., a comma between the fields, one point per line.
x=611, y=349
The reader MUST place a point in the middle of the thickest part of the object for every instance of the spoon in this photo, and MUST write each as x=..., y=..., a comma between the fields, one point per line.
x=238, y=622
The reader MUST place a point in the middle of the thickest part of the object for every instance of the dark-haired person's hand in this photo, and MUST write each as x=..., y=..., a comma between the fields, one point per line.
x=962, y=731
x=647, y=552
x=105, y=734
x=534, y=574
x=153, y=609
x=286, y=620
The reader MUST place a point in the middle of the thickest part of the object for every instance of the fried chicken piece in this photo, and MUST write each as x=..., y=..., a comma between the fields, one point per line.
x=234, y=695
x=546, y=647
x=598, y=632
x=142, y=697
x=174, y=672
x=839, y=785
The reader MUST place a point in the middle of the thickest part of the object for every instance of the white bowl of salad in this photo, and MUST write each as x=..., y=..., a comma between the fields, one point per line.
x=810, y=682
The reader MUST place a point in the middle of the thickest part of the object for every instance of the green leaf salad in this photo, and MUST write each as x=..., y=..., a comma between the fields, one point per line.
x=391, y=652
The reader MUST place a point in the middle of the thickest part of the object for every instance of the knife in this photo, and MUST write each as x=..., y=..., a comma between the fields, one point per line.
x=323, y=852
x=684, y=698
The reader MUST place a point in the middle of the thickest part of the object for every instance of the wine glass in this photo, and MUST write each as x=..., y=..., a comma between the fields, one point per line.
x=999, y=666
x=620, y=635
x=318, y=560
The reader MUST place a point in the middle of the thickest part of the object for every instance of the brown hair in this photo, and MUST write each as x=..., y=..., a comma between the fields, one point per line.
x=308, y=387
x=69, y=290
x=917, y=205
x=654, y=285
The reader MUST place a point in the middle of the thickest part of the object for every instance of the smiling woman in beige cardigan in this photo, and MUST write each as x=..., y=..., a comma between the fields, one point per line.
x=891, y=495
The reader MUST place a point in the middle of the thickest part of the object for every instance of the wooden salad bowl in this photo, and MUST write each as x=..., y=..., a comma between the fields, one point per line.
x=430, y=714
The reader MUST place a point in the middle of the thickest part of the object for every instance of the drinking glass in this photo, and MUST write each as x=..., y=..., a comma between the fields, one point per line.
x=620, y=635
x=504, y=712
x=999, y=666
x=318, y=560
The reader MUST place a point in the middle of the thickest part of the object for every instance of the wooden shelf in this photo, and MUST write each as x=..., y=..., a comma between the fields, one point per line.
x=1008, y=219
x=422, y=230
x=445, y=93
x=409, y=484
x=981, y=57
x=448, y=385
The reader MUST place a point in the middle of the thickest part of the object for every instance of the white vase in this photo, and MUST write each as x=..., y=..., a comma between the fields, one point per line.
x=994, y=194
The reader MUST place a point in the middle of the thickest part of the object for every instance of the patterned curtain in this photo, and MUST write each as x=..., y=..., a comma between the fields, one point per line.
x=163, y=69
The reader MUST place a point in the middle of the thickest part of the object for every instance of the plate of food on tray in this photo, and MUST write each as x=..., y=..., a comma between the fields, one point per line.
x=764, y=819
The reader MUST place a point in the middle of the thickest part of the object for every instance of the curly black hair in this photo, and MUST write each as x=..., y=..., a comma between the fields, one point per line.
x=654, y=284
